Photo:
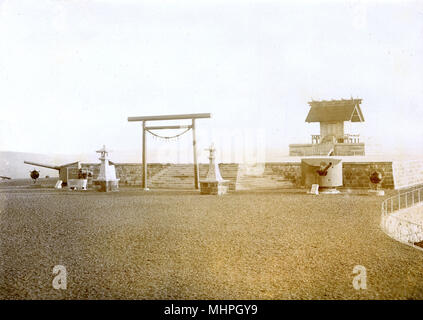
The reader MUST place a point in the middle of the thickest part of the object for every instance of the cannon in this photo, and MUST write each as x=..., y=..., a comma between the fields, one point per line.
x=63, y=169
x=326, y=172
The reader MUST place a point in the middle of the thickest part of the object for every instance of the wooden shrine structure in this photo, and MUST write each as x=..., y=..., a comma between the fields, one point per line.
x=332, y=139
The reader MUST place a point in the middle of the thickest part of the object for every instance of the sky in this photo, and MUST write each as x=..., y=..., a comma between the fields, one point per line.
x=72, y=72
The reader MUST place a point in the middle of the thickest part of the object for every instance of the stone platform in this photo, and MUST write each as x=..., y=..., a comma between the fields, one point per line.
x=339, y=149
x=398, y=172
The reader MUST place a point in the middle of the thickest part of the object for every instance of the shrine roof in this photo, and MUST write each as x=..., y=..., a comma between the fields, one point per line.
x=335, y=110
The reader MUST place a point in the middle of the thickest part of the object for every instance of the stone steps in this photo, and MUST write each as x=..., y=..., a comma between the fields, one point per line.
x=242, y=177
x=181, y=176
x=259, y=177
x=175, y=176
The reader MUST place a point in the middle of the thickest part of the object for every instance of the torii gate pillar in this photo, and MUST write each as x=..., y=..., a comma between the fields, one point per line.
x=144, y=159
x=194, y=148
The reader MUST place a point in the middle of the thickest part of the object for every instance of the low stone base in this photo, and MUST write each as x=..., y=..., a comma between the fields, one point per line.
x=325, y=190
x=35, y=185
x=214, y=187
x=374, y=192
x=106, y=186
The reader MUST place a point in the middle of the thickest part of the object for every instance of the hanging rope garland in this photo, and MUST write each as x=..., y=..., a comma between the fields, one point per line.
x=168, y=137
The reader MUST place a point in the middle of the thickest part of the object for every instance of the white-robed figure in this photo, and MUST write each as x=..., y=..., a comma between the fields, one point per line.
x=107, y=176
x=214, y=183
x=214, y=173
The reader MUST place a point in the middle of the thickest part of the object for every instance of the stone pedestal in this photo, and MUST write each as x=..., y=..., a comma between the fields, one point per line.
x=213, y=184
x=77, y=184
x=323, y=190
x=376, y=192
x=214, y=187
x=35, y=185
x=107, y=186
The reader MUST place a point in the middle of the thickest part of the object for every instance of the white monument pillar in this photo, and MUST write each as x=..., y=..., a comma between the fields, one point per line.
x=107, y=177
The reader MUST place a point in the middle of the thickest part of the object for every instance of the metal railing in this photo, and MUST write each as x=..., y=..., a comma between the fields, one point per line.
x=315, y=138
x=398, y=227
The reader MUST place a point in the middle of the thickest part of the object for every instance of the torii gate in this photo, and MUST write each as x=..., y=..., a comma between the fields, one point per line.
x=192, y=116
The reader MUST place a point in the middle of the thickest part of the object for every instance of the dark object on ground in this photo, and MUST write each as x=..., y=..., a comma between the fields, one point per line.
x=419, y=244
x=35, y=175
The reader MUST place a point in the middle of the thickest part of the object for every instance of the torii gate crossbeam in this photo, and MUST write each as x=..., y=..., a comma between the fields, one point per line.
x=192, y=116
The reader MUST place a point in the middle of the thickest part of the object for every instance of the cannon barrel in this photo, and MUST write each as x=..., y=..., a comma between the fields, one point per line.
x=42, y=165
x=78, y=164
x=324, y=171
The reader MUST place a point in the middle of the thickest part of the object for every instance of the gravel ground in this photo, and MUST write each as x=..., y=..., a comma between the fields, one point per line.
x=181, y=245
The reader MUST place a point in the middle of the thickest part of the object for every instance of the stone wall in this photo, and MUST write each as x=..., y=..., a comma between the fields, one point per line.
x=356, y=174
x=404, y=225
x=407, y=173
x=302, y=150
x=288, y=171
x=349, y=149
x=271, y=175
